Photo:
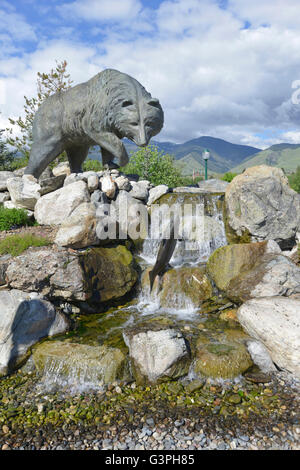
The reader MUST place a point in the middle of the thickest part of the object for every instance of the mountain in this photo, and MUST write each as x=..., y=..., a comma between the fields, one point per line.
x=286, y=156
x=223, y=155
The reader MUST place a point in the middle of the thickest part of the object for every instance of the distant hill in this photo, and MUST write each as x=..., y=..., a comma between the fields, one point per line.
x=286, y=156
x=224, y=155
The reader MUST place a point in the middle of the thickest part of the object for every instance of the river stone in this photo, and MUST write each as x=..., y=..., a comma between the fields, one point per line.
x=25, y=318
x=275, y=322
x=79, y=229
x=4, y=176
x=261, y=204
x=62, y=169
x=229, y=261
x=157, y=354
x=156, y=192
x=272, y=275
x=261, y=356
x=80, y=364
x=221, y=355
x=55, y=207
x=24, y=192
x=51, y=184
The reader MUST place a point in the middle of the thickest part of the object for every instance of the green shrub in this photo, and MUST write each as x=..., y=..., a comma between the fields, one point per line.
x=229, y=176
x=13, y=217
x=15, y=244
x=294, y=180
x=92, y=165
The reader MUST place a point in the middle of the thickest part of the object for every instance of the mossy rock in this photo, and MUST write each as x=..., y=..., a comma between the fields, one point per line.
x=231, y=235
x=229, y=261
x=81, y=362
x=222, y=355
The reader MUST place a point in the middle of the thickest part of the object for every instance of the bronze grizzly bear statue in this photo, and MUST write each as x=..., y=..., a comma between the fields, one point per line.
x=101, y=111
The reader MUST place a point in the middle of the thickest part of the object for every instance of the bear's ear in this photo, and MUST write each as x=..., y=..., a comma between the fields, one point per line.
x=126, y=103
x=154, y=102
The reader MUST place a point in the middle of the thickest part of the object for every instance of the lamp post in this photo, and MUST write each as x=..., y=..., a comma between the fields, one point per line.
x=206, y=155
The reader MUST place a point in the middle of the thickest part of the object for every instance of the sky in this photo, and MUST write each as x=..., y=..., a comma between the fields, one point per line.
x=224, y=68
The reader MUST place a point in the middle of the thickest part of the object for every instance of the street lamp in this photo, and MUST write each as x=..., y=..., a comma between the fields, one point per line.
x=206, y=155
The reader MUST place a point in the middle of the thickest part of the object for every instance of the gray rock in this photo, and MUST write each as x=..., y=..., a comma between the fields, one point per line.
x=25, y=318
x=261, y=203
x=24, y=192
x=99, y=198
x=4, y=262
x=131, y=215
x=213, y=186
x=139, y=191
x=123, y=183
x=4, y=176
x=55, y=207
x=157, y=354
x=4, y=197
x=93, y=182
x=62, y=168
x=49, y=185
x=19, y=172
x=156, y=192
x=275, y=322
x=98, y=112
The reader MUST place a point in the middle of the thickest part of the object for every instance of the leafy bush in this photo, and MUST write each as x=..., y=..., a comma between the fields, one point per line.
x=294, y=180
x=229, y=176
x=151, y=164
x=92, y=165
x=15, y=244
x=13, y=217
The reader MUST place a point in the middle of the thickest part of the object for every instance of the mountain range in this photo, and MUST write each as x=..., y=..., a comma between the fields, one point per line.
x=224, y=156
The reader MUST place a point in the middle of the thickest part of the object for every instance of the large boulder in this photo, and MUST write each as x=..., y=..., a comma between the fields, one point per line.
x=25, y=318
x=275, y=322
x=24, y=192
x=79, y=229
x=272, y=275
x=261, y=205
x=4, y=176
x=157, y=354
x=94, y=275
x=80, y=365
x=55, y=207
x=229, y=261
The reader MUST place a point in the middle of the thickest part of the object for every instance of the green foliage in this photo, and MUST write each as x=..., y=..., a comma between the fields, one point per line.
x=47, y=84
x=15, y=244
x=229, y=176
x=294, y=180
x=6, y=155
x=92, y=165
x=151, y=164
x=13, y=217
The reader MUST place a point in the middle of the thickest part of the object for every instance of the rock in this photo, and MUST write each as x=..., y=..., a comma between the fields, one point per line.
x=229, y=261
x=72, y=178
x=261, y=356
x=99, y=198
x=274, y=321
x=62, y=169
x=4, y=197
x=93, y=182
x=180, y=288
x=49, y=185
x=213, y=186
x=132, y=177
x=194, y=385
x=131, y=215
x=4, y=262
x=108, y=186
x=80, y=364
x=229, y=315
x=4, y=176
x=12, y=205
x=157, y=355
x=79, y=229
x=261, y=204
x=19, y=172
x=95, y=275
x=24, y=192
x=221, y=355
x=123, y=183
x=156, y=192
x=139, y=190
x=25, y=318
x=55, y=207
x=47, y=174
x=272, y=275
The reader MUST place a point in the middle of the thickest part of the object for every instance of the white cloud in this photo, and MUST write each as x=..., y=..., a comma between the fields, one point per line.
x=102, y=10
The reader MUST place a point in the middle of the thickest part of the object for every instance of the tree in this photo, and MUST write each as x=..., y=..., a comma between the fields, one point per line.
x=47, y=84
x=6, y=155
x=294, y=180
x=151, y=164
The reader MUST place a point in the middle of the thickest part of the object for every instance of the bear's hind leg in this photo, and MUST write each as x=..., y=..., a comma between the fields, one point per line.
x=76, y=156
x=41, y=156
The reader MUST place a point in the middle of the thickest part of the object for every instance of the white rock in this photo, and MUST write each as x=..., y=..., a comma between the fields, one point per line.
x=11, y=205
x=139, y=191
x=62, y=169
x=55, y=207
x=274, y=321
x=108, y=186
x=4, y=176
x=25, y=318
x=156, y=192
x=93, y=182
x=72, y=178
x=24, y=191
x=261, y=356
x=123, y=183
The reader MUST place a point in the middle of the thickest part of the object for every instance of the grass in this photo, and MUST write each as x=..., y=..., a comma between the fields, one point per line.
x=15, y=244
x=10, y=218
